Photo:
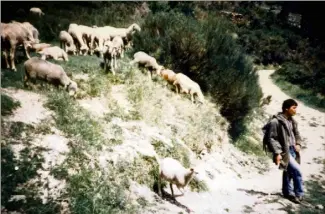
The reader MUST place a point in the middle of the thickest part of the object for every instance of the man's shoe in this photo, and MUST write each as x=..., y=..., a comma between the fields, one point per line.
x=300, y=198
x=292, y=198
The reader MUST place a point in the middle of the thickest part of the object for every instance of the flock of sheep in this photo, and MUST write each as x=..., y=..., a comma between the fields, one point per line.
x=110, y=43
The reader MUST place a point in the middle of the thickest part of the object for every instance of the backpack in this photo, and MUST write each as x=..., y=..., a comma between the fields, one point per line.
x=266, y=130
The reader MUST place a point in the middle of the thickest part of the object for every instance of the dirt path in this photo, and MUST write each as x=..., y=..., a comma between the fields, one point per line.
x=253, y=192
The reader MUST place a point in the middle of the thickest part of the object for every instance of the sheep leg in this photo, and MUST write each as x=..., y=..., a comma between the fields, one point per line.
x=149, y=74
x=115, y=62
x=112, y=67
x=105, y=64
x=182, y=192
x=192, y=98
x=122, y=53
x=26, y=50
x=12, y=57
x=171, y=189
x=159, y=185
x=176, y=86
x=5, y=55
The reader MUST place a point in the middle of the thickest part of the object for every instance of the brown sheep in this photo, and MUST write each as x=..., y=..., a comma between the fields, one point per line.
x=36, y=68
x=12, y=35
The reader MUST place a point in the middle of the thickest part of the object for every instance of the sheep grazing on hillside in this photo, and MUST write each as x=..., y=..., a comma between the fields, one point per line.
x=78, y=37
x=188, y=86
x=36, y=68
x=149, y=62
x=173, y=171
x=12, y=35
x=98, y=37
x=36, y=11
x=54, y=52
x=110, y=53
x=168, y=75
x=66, y=42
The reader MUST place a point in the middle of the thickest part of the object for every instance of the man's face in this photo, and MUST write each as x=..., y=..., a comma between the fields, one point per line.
x=292, y=110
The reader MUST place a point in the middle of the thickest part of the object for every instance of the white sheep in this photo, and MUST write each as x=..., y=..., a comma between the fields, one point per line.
x=36, y=68
x=123, y=32
x=66, y=42
x=98, y=37
x=119, y=45
x=173, y=171
x=110, y=53
x=77, y=35
x=39, y=46
x=54, y=52
x=188, y=86
x=148, y=61
x=36, y=11
x=86, y=34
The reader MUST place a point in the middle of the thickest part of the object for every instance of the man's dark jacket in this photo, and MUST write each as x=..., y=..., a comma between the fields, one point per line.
x=279, y=138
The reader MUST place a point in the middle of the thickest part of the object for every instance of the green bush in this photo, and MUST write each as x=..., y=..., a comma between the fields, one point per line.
x=8, y=105
x=205, y=52
x=304, y=76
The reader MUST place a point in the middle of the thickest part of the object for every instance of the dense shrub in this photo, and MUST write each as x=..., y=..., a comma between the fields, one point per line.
x=205, y=52
x=308, y=78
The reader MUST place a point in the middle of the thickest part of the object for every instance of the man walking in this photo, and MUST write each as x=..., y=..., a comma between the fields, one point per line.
x=285, y=142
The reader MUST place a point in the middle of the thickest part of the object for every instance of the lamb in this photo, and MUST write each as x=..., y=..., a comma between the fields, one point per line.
x=110, y=53
x=54, y=52
x=149, y=62
x=36, y=68
x=188, y=86
x=36, y=11
x=119, y=45
x=39, y=47
x=173, y=171
x=12, y=35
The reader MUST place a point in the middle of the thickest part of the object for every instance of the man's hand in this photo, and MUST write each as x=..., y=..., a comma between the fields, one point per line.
x=297, y=148
x=278, y=158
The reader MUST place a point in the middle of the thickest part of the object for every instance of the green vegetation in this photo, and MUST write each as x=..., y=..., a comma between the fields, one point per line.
x=8, y=105
x=187, y=37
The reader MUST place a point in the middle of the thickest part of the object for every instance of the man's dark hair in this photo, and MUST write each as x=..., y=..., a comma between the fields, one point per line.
x=288, y=103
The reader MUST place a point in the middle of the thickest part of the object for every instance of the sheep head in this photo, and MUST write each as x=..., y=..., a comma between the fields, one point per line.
x=159, y=69
x=201, y=98
x=190, y=175
x=133, y=28
x=72, y=88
